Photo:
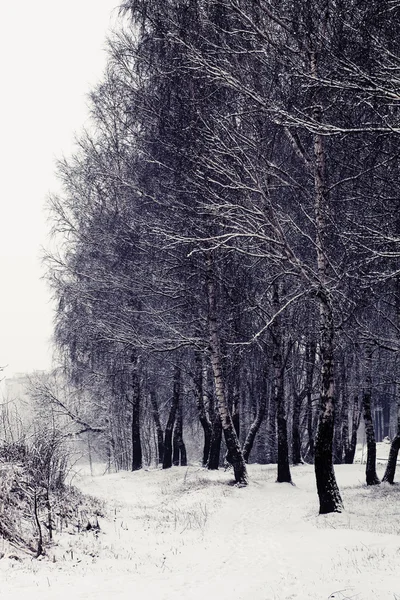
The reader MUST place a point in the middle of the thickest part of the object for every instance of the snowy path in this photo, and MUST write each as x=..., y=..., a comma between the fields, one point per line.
x=187, y=534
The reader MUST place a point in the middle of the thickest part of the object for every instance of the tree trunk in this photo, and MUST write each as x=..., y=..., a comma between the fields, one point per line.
x=310, y=429
x=231, y=438
x=179, y=457
x=355, y=423
x=271, y=449
x=200, y=381
x=236, y=400
x=283, y=475
x=136, y=441
x=390, y=470
x=370, y=470
x=296, y=441
x=157, y=422
x=311, y=351
x=328, y=490
x=167, y=459
x=340, y=416
x=255, y=426
x=216, y=435
x=345, y=414
x=39, y=550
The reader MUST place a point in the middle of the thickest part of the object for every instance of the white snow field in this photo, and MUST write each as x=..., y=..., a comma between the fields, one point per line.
x=187, y=533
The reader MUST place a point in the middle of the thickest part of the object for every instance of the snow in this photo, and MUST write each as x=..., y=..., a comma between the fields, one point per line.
x=189, y=533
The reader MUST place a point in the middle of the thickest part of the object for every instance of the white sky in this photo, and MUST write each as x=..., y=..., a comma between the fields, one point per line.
x=52, y=53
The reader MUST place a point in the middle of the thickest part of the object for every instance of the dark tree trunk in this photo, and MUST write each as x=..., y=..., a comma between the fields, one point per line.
x=157, y=422
x=370, y=470
x=283, y=449
x=261, y=438
x=345, y=415
x=216, y=436
x=179, y=457
x=236, y=402
x=136, y=441
x=215, y=447
x=231, y=438
x=328, y=491
x=235, y=419
x=271, y=449
x=390, y=470
x=355, y=423
x=310, y=429
x=340, y=416
x=200, y=381
x=296, y=440
x=233, y=398
x=167, y=459
x=310, y=354
x=255, y=426
x=278, y=393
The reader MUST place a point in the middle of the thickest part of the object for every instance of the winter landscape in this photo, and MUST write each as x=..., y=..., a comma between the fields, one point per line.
x=221, y=415
x=189, y=532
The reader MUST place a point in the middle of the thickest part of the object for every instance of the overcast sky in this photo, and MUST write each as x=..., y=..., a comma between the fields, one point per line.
x=52, y=53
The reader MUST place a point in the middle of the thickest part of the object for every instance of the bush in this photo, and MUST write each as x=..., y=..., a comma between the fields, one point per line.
x=34, y=498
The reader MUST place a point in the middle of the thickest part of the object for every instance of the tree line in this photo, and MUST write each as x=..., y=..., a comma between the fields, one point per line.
x=228, y=236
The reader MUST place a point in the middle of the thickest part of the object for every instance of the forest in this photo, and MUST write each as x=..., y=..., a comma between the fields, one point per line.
x=225, y=250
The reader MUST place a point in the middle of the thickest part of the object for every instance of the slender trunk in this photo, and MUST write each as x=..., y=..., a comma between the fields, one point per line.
x=157, y=422
x=179, y=456
x=283, y=474
x=231, y=438
x=390, y=470
x=271, y=449
x=311, y=351
x=39, y=550
x=296, y=440
x=234, y=410
x=345, y=415
x=236, y=400
x=136, y=441
x=310, y=427
x=167, y=458
x=340, y=415
x=215, y=446
x=370, y=470
x=216, y=435
x=49, y=512
x=355, y=423
x=110, y=446
x=89, y=445
x=255, y=426
x=328, y=490
x=200, y=381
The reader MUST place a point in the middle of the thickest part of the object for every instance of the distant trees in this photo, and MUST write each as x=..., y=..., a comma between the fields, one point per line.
x=229, y=218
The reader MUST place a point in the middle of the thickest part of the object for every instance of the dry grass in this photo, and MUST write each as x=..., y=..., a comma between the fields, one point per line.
x=71, y=511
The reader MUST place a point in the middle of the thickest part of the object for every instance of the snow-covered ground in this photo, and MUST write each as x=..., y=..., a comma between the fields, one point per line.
x=188, y=533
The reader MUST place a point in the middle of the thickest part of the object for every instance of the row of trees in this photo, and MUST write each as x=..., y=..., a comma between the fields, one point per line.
x=228, y=233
